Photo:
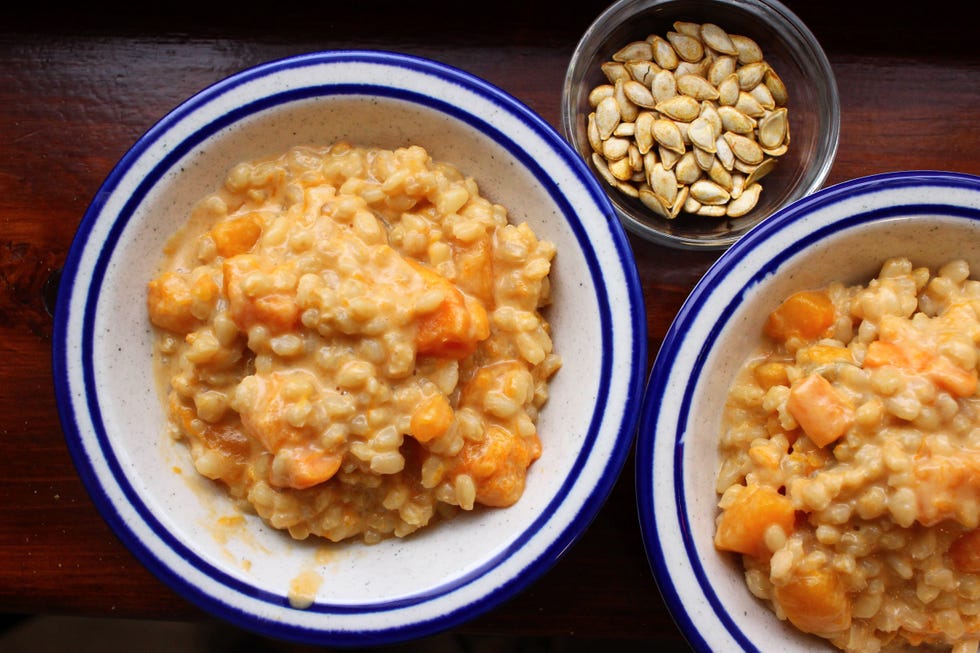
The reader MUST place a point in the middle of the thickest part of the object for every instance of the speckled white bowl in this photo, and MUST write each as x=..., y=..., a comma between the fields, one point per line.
x=112, y=418
x=844, y=233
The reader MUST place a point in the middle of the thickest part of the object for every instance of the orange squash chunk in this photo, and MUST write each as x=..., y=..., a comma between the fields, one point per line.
x=742, y=527
x=432, y=418
x=899, y=353
x=306, y=467
x=277, y=310
x=236, y=235
x=770, y=374
x=455, y=327
x=498, y=465
x=476, y=268
x=951, y=378
x=881, y=353
x=944, y=482
x=822, y=413
x=497, y=376
x=300, y=461
x=815, y=602
x=806, y=314
x=824, y=354
x=169, y=302
x=936, y=367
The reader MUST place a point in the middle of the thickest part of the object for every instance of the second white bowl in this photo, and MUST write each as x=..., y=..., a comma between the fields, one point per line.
x=113, y=420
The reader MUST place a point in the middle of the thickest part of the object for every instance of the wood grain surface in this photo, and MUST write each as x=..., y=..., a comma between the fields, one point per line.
x=79, y=86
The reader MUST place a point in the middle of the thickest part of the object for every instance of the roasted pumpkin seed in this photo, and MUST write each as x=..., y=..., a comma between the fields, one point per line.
x=663, y=183
x=693, y=68
x=738, y=185
x=635, y=157
x=668, y=157
x=639, y=94
x=751, y=74
x=764, y=97
x=649, y=160
x=776, y=87
x=680, y=107
x=772, y=129
x=721, y=68
x=621, y=169
x=607, y=116
x=704, y=158
x=625, y=129
x=592, y=132
x=712, y=211
x=603, y=168
x=710, y=114
x=664, y=86
x=717, y=39
x=744, y=148
x=748, y=50
x=650, y=200
x=687, y=47
x=663, y=53
x=643, y=131
x=642, y=71
x=687, y=170
x=702, y=134
x=744, y=202
x=634, y=51
x=734, y=120
x=614, y=70
x=667, y=133
x=723, y=152
x=689, y=28
x=718, y=174
x=689, y=121
x=627, y=188
x=748, y=105
x=697, y=87
x=775, y=151
x=615, y=148
x=628, y=110
x=728, y=90
x=599, y=93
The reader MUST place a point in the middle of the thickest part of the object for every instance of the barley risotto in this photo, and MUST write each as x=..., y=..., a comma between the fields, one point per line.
x=850, y=476
x=351, y=340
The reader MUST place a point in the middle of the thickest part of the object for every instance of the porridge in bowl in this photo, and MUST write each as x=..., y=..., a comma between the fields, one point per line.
x=351, y=340
x=850, y=476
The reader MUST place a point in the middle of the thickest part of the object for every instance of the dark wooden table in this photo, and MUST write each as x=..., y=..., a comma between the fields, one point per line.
x=79, y=86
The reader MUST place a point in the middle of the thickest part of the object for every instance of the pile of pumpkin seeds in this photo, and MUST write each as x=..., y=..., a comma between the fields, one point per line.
x=690, y=122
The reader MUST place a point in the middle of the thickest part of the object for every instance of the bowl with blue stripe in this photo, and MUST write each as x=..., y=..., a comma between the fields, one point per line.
x=398, y=589
x=841, y=233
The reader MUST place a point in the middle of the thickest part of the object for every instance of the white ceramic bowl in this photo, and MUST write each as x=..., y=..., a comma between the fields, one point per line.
x=840, y=233
x=399, y=589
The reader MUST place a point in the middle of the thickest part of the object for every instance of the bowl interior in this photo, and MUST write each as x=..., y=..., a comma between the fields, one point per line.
x=722, y=325
x=133, y=425
x=791, y=50
x=185, y=528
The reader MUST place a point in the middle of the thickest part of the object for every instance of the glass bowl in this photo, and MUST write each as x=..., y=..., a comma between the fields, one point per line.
x=788, y=47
